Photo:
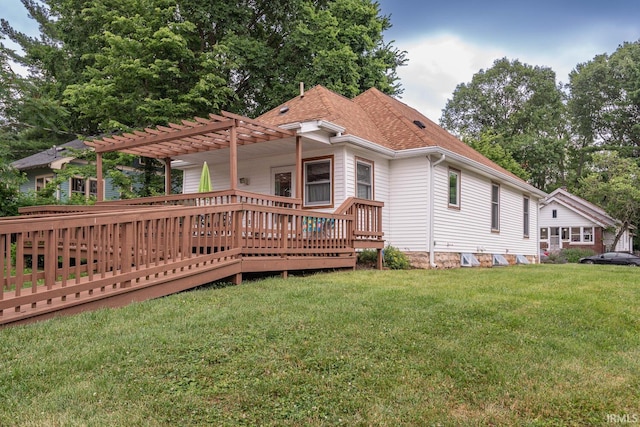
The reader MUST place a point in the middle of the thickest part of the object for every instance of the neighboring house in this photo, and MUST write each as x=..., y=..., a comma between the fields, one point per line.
x=42, y=167
x=568, y=221
x=445, y=205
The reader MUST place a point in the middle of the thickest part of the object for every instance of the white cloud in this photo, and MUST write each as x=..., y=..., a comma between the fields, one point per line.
x=437, y=64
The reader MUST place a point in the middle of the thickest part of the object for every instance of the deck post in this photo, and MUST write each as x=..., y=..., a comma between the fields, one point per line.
x=299, y=171
x=379, y=260
x=100, y=183
x=233, y=159
x=167, y=176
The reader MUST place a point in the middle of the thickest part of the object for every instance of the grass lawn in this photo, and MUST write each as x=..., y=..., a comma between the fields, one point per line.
x=524, y=345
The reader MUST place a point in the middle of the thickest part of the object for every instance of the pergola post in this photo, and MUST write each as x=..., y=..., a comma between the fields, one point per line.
x=167, y=176
x=299, y=171
x=100, y=183
x=233, y=157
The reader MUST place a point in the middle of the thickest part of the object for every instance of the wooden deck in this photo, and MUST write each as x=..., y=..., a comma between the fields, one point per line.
x=62, y=260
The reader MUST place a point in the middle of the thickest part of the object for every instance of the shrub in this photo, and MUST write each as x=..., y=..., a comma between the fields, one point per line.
x=555, y=258
x=368, y=257
x=574, y=254
x=395, y=259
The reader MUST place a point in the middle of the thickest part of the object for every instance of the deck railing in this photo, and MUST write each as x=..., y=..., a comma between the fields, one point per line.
x=367, y=221
x=62, y=258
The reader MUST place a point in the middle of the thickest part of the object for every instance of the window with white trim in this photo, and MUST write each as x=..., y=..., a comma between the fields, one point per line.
x=84, y=186
x=364, y=179
x=525, y=216
x=495, y=207
x=318, y=182
x=454, y=188
x=581, y=234
x=42, y=181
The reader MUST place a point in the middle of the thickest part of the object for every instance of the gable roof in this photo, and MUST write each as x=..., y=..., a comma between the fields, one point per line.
x=49, y=156
x=381, y=120
x=582, y=207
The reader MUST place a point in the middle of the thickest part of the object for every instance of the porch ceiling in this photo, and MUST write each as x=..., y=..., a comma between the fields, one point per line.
x=190, y=137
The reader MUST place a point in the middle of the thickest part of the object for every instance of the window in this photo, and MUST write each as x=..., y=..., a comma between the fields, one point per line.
x=495, y=207
x=554, y=213
x=468, y=260
x=78, y=186
x=544, y=234
x=587, y=234
x=318, y=186
x=42, y=181
x=521, y=259
x=454, y=188
x=525, y=217
x=581, y=234
x=84, y=187
x=565, y=233
x=499, y=260
x=364, y=179
x=93, y=187
x=576, y=235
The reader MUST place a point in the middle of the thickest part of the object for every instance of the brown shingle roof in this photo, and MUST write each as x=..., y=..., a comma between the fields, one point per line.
x=375, y=117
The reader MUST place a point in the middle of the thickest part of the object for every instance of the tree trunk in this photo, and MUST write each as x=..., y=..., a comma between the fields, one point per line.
x=621, y=230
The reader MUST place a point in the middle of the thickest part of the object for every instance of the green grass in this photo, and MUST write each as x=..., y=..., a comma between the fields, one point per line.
x=529, y=345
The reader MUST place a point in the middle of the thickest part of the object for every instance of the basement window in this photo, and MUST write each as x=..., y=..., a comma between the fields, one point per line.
x=521, y=259
x=468, y=260
x=499, y=260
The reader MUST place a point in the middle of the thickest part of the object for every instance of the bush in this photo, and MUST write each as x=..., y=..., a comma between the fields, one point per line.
x=394, y=259
x=368, y=257
x=574, y=255
x=555, y=258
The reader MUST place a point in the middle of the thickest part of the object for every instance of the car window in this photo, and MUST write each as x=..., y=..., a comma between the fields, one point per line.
x=609, y=255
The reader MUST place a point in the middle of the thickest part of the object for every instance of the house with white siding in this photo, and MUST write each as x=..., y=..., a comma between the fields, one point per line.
x=569, y=221
x=445, y=205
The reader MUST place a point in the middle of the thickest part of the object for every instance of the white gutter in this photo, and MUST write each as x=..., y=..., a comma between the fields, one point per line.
x=430, y=240
x=426, y=151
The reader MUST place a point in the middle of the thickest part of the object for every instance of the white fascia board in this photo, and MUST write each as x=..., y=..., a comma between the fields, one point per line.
x=181, y=164
x=58, y=164
x=425, y=151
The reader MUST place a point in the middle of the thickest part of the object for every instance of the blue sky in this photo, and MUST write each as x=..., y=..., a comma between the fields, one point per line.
x=447, y=42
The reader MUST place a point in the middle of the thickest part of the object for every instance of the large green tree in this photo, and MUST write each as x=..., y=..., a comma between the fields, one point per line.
x=118, y=64
x=521, y=104
x=613, y=183
x=605, y=104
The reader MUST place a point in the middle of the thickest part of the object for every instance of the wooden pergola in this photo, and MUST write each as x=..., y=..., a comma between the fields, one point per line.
x=217, y=132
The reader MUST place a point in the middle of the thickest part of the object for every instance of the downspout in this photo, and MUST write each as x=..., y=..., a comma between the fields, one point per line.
x=432, y=165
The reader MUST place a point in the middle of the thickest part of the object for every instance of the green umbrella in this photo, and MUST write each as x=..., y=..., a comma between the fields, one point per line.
x=205, y=180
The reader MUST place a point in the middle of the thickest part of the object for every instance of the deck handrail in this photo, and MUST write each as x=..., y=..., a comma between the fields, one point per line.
x=367, y=214
x=187, y=199
x=66, y=257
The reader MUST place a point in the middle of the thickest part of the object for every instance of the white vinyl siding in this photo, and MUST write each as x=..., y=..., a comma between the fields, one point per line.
x=468, y=229
x=408, y=204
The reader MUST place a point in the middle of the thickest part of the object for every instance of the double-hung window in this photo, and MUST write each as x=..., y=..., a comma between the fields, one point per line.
x=495, y=207
x=525, y=217
x=364, y=179
x=84, y=187
x=454, y=188
x=318, y=182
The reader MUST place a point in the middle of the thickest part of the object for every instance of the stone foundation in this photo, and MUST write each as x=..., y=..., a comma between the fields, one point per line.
x=452, y=259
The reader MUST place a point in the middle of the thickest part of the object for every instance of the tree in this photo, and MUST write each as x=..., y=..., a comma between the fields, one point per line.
x=605, y=103
x=489, y=145
x=122, y=64
x=614, y=184
x=524, y=106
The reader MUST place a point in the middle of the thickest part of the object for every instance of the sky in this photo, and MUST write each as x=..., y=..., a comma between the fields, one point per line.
x=447, y=42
